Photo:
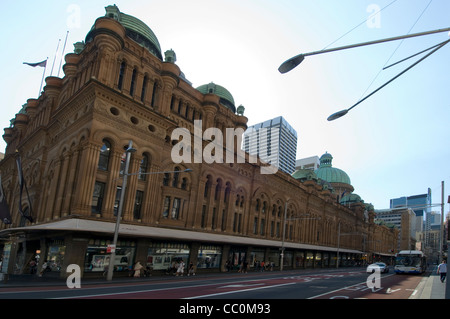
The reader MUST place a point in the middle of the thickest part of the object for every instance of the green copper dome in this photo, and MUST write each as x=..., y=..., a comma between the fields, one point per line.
x=135, y=29
x=331, y=174
x=351, y=198
x=225, y=96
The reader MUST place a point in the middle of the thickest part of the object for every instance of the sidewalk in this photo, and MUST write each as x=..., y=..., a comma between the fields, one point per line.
x=430, y=287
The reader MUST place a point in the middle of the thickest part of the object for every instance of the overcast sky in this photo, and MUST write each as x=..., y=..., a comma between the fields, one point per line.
x=397, y=143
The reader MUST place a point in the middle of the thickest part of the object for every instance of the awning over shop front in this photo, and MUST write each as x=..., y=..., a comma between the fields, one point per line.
x=99, y=227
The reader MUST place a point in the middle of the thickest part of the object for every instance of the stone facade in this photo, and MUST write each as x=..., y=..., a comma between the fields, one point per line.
x=72, y=142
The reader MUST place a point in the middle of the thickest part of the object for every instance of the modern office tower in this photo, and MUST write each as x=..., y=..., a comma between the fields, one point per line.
x=274, y=141
x=421, y=204
x=311, y=163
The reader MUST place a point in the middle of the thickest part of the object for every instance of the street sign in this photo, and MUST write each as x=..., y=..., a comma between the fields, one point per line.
x=111, y=249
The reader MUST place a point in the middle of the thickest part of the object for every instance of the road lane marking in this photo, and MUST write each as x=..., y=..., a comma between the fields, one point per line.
x=238, y=291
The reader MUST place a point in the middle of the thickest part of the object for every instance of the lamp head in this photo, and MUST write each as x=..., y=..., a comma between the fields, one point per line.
x=337, y=115
x=291, y=63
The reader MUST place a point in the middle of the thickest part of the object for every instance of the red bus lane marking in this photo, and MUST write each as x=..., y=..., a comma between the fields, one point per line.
x=191, y=291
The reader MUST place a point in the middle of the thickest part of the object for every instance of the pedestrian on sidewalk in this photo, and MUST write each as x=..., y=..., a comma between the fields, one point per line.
x=180, y=269
x=442, y=270
x=137, y=269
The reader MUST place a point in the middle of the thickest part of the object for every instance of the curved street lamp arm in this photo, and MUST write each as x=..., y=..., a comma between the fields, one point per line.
x=342, y=113
x=293, y=62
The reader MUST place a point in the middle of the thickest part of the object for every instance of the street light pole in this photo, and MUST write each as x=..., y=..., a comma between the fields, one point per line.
x=112, y=258
x=293, y=62
x=338, y=244
x=122, y=198
x=344, y=112
x=284, y=234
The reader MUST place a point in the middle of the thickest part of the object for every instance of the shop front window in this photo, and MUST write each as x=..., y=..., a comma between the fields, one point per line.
x=299, y=259
x=274, y=257
x=55, y=257
x=209, y=256
x=288, y=257
x=165, y=256
x=256, y=258
x=318, y=260
x=97, y=259
x=309, y=260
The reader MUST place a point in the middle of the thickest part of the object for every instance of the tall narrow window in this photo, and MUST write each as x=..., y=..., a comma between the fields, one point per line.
x=218, y=189
x=207, y=186
x=133, y=82
x=224, y=219
x=166, y=179
x=155, y=87
x=138, y=205
x=166, y=207
x=227, y=193
x=176, y=177
x=184, y=183
x=203, y=220
x=121, y=75
x=172, y=103
x=176, y=208
x=144, y=88
x=97, y=198
x=105, y=152
x=143, y=166
x=213, y=222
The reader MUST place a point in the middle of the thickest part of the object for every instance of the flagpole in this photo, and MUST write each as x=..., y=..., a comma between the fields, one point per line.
x=43, y=74
x=62, y=54
x=54, y=59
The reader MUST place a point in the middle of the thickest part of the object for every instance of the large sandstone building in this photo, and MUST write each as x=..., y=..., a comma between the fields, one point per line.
x=117, y=87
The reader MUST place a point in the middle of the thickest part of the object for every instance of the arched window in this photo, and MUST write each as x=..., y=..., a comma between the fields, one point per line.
x=207, y=186
x=121, y=75
x=166, y=179
x=218, y=189
x=176, y=177
x=184, y=183
x=105, y=152
x=227, y=193
x=143, y=166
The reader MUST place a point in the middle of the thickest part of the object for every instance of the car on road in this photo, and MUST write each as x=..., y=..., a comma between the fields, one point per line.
x=382, y=266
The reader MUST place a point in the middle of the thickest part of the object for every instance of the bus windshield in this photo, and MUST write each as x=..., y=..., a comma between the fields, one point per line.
x=408, y=261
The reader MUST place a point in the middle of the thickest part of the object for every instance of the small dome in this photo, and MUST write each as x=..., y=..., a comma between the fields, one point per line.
x=225, y=96
x=329, y=173
x=351, y=198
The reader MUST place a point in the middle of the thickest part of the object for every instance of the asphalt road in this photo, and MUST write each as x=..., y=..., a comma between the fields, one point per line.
x=289, y=285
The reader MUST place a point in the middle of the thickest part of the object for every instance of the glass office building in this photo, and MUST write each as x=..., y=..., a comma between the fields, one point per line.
x=274, y=141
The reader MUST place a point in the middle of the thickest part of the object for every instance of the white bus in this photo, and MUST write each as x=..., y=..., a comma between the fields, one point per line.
x=410, y=262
